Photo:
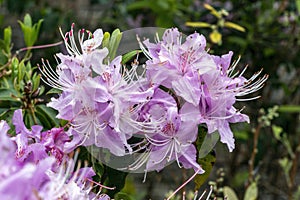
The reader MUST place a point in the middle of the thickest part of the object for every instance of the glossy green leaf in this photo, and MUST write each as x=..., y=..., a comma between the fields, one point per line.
x=7, y=39
x=27, y=32
x=21, y=74
x=54, y=91
x=114, y=42
x=128, y=56
x=3, y=57
x=36, y=30
x=47, y=116
x=229, y=193
x=14, y=67
x=208, y=144
x=35, y=81
x=28, y=119
x=7, y=94
x=30, y=31
x=42, y=90
x=251, y=192
x=206, y=162
x=114, y=178
x=27, y=20
x=105, y=41
x=5, y=112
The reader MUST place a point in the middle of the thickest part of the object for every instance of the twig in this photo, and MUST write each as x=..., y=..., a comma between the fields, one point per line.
x=253, y=154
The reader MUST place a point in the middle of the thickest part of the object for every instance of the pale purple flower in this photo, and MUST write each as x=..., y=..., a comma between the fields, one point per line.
x=27, y=180
x=206, y=82
x=34, y=145
x=175, y=64
x=219, y=90
x=99, y=99
x=19, y=179
x=68, y=183
x=24, y=181
x=172, y=142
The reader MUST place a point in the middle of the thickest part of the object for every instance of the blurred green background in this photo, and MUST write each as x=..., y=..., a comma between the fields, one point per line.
x=265, y=33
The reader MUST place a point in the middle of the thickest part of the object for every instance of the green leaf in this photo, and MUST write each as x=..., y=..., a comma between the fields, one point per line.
x=54, y=91
x=114, y=42
x=198, y=24
x=122, y=196
x=237, y=40
x=6, y=83
x=282, y=137
x=27, y=32
x=289, y=108
x=296, y=194
x=139, y=5
x=298, y=5
x=3, y=57
x=27, y=20
x=105, y=41
x=30, y=32
x=36, y=81
x=234, y=26
x=128, y=56
x=9, y=104
x=14, y=67
x=114, y=178
x=47, y=116
x=251, y=192
x=6, y=94
x=5, y=112
x=21, y=73
x=28, y=119
x=277, y=130
x=212, y=10
x=206, y=162
x=36, y=30
x=286, y=164
x=229, y=193
x=7, y=39
x=208, y=144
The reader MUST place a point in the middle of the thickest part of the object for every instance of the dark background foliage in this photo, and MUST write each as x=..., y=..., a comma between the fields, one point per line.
x=271, y=41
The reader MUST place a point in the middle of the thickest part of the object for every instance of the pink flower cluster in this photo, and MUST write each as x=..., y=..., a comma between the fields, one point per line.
x=162, y=103
x=36, y=163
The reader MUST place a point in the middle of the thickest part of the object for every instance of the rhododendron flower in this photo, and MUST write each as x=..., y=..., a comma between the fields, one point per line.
x=206, y=82
x=180, y=87
x=99, y=99
x=26, y=179
x=173, y=141
x=34, y=145
x=175, y=64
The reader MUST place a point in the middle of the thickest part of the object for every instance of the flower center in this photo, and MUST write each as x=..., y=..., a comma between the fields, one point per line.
x=169, y=129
